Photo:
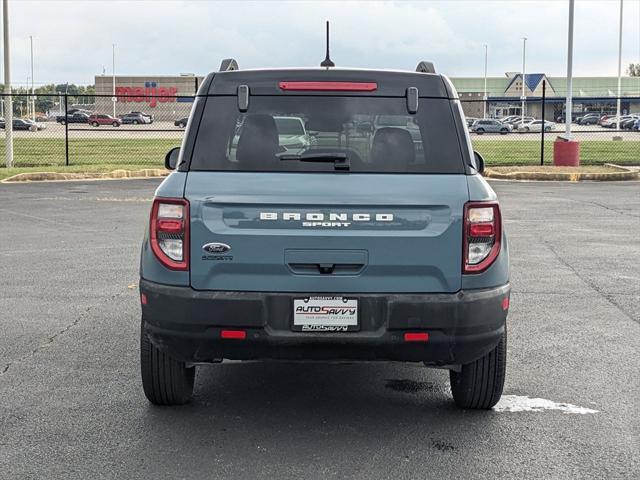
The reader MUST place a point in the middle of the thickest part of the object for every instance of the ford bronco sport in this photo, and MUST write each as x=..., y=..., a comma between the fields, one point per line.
x=377, y=240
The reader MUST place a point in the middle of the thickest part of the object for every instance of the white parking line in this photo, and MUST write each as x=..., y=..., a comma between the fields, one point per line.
x=520, y=403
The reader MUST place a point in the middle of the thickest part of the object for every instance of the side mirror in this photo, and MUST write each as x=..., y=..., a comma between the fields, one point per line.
x=171, y=158
x=479, y=162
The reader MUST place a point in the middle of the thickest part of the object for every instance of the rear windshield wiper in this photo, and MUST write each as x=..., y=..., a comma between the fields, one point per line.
x=340, y=160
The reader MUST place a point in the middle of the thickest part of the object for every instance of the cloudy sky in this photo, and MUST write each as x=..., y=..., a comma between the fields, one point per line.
x=73, y=38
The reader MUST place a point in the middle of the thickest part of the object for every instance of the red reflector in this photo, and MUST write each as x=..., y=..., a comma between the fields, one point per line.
x=169, y=225
x=481, y=229
x=143, y=299
x=505, y=303
x=416, y=337
x=330, y=86
x=234, y=334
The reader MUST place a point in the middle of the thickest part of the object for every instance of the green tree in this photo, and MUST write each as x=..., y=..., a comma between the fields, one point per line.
x=48, y=96
x=634, y=70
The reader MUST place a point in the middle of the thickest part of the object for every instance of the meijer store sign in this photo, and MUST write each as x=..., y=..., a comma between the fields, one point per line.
x=150, y=94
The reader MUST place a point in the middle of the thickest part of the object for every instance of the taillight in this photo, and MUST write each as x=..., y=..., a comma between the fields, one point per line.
x=169, y=232
x=481, y=237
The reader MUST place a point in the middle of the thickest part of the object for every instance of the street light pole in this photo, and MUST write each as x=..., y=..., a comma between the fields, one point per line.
x=33, y=100
x=568, y=116
x=8, y=110
x=524, y=83
x=28, y=101
x=619, y=70
x=113, y=66
x=484, y=97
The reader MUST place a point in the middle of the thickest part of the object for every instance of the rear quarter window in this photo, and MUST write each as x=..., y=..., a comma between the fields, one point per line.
x=377, y=134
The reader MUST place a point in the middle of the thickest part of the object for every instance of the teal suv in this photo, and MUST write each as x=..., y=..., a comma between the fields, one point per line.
x=376, y=238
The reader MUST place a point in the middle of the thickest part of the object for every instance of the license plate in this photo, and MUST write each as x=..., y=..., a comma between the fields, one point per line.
x=325, y=314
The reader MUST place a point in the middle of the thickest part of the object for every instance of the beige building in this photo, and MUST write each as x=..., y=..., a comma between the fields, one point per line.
x=169, y=97
x=166, y=97
x=590, y=94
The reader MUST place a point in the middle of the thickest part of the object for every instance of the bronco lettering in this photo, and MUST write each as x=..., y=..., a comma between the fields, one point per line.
x=331, y=216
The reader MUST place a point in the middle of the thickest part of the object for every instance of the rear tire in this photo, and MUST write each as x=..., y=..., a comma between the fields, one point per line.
x=504, y=131
x=480, y=131
x=165, y=380
x=95, y=124
x=115, y=124
x=479, y=384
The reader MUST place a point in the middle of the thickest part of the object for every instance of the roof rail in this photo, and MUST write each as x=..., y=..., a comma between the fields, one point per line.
x=228, y=64
x=425, y=67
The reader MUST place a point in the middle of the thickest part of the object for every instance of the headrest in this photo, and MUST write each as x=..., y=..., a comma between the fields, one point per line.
x=258, y=142
x=392, y=149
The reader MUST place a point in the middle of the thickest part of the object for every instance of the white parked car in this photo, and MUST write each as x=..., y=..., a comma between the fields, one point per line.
x=292, y=133
x=612, y=122
x=536, y=126
x=488, y=125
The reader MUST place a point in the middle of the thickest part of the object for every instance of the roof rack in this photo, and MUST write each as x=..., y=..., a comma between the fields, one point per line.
x=228, y=65
x=425, y=67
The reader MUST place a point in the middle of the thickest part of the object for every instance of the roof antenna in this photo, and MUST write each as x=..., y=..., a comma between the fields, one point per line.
x=327, y=61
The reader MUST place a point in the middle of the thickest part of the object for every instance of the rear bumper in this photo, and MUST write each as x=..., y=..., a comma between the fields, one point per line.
x=187, y=323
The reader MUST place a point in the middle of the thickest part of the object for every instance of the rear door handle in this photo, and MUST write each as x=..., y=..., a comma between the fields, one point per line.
x=326, y=262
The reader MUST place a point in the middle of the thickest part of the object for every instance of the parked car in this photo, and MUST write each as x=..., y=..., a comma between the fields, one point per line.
x=181, y=122
x=76, y=117
x=340, y=251
x=491, y=126
x=509, y=118
x=79, y=110
x=134, y=119
x=628, y=123
x=103, y=119
x=24, y=124
x=589, y=119
x=292, y=134
x=636, y=125
x=519, y=121
x=38, y=125
x=149, y=116
x=604, y=118
x=612, y=122
x=574, y=117
x=536, y=126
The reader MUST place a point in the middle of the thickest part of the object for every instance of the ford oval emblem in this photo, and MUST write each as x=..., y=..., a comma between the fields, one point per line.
x=216, y=247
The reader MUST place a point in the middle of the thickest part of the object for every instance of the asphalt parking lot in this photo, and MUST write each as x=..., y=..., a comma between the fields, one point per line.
x=71, y=403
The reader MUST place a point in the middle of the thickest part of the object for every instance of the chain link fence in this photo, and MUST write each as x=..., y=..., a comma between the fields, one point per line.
x=87, y=133
x=510, y=131
x=84, y=132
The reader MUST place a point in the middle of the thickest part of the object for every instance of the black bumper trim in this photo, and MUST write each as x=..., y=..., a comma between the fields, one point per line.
x=462, y=326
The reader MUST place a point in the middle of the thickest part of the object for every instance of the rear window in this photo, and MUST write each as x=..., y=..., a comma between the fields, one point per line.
x=303, y=133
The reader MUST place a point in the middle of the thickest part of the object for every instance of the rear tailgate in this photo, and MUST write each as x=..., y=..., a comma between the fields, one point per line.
x=322, y=233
